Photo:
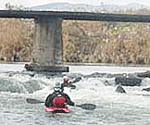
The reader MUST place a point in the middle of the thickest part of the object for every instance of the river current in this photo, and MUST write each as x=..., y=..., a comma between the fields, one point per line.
x=112, y=108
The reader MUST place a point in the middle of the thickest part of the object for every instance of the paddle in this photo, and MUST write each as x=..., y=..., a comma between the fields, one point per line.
x=87, y=106
x=33, y=101
x=84, y=106
x=76, y=80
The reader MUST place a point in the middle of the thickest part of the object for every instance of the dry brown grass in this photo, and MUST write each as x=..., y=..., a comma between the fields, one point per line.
x=106, y=42
x=83, y=41
x=16, y=38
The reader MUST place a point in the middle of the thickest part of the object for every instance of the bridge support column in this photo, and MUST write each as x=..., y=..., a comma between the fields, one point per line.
x=48, y=53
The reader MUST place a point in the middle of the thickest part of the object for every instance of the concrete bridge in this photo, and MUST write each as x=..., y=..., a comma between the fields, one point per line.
x=48, y=50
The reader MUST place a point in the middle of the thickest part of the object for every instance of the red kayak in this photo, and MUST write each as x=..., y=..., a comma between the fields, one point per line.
x=56, y=110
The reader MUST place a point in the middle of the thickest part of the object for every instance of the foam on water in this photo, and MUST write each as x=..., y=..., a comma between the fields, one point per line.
x=112, y=107
x=106, y=69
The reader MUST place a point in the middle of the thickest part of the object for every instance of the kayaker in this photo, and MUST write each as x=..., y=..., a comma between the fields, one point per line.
x=58, y=98
x=66, y=83
x=106, y=83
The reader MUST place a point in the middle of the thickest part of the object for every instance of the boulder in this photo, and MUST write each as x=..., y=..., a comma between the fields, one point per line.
x=144, y=74
x=128, y=81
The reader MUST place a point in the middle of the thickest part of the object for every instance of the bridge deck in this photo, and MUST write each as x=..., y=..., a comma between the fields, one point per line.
x=75, y=16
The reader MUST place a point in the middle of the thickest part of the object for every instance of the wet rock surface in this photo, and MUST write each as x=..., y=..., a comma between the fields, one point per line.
x=124, y=79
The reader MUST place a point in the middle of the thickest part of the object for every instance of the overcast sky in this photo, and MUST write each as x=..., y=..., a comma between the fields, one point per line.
x=29, y=3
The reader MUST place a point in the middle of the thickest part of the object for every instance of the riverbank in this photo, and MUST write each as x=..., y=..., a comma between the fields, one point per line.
x=104, y=64
x=85, y=64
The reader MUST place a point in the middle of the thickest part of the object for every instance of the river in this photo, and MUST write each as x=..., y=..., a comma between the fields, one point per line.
x=112, y=108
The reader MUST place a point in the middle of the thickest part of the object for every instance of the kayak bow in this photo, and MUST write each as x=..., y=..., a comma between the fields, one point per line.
x=56, y=110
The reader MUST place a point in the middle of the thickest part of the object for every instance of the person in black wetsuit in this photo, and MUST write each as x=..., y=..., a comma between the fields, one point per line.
x=58, y=98
x=66, y=83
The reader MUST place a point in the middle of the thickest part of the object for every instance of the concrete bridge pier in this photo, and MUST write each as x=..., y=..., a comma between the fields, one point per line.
x=47, y=52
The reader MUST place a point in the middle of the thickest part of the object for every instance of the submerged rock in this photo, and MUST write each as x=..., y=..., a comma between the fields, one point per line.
x=146, y=89
x=120, y=89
